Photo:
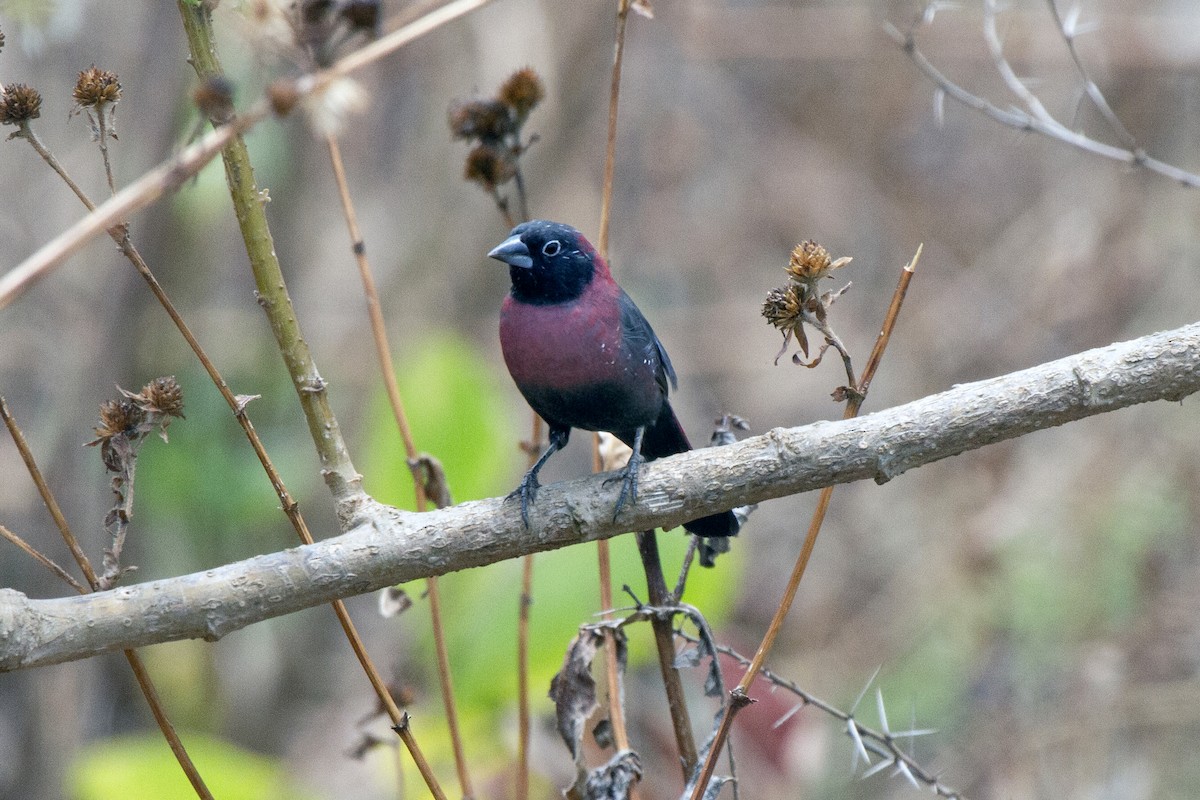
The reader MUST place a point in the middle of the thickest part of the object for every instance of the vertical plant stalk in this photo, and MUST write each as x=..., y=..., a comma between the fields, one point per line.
x=135, y=662
x=103, y=117
x=739, y=696
x=526, y=601
x=336, y=467
x=340, y=475
x=664, y=639
x=615, y=694
x=610, y=148
x=384, y=354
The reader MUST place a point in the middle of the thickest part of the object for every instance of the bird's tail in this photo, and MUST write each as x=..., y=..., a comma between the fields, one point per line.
x=666, y=438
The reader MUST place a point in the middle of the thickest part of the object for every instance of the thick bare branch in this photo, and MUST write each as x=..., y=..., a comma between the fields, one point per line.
x=383, y=546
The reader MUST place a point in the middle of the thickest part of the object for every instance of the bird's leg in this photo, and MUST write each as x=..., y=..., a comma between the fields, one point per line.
x=528, y=488
x=629, y=479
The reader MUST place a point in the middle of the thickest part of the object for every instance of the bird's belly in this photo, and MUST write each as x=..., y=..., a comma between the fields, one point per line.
x=570, y=364
x=600, y=406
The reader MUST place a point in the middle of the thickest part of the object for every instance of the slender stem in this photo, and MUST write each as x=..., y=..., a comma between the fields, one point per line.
x=384, y=354
x=374, y=310
x=44, y=559
x=522, y=199
x=343, y=480
x=27, y=133
x=526, y=600
x=103, y=115
x=340, y=473
x=398, y=717
x=664, y=639
x=143, y=678
x=610, y=148
x=615, y=696
x=164, y=724
x=56, y=513
x=616, y=709
x=685, y=567
x=447, y=683
x=739, y=696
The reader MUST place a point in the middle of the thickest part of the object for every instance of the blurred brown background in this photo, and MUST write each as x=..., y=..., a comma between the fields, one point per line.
x=1036, y=601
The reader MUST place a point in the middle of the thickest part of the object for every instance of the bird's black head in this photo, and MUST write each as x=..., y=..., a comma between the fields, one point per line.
x=548, y=262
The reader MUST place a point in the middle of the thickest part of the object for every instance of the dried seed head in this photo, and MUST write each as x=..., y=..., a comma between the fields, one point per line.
x=522, y=91
x=283, y=96
x=19, y=103
x=782, y=307
x=164, y=396
x=96, y=87
x=489, y=167
x=117, y=417
x=1, y=39
x=485, y=120
x=810, y=262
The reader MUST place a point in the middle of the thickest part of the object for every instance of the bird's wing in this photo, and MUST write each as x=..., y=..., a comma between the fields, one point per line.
x=640, y=338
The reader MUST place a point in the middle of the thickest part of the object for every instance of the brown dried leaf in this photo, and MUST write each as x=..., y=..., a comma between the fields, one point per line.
x=616, y=779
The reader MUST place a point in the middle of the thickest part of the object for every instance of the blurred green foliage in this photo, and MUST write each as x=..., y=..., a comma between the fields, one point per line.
x=142, y=767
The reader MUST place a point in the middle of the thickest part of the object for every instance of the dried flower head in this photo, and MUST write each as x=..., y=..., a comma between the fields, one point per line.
x=96, y=87
x=19, y=103
x=810, y=262
x=1, y=39
x=283, y=96
x=522, y=92
x=486, y=120
x=782, y=307
x=489, y=167
x=163, y=395
x=118, y=417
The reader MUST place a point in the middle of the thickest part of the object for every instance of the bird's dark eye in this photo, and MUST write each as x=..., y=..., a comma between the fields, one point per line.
x=551, y=248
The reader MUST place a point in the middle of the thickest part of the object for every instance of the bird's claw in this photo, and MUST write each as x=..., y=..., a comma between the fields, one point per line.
x=527, y=491
x=629, y=483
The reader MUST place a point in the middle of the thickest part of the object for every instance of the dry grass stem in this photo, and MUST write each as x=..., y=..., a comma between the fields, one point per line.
x=43, y=559
x=384, y=354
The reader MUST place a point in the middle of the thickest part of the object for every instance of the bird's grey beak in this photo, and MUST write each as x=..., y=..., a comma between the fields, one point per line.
x=512, y=251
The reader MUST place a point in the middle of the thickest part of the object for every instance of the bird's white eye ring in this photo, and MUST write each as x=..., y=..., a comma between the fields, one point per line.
x=552, y=248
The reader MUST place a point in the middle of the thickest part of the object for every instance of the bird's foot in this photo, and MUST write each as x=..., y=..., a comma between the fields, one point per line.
x=527, y=491
x=629, y=483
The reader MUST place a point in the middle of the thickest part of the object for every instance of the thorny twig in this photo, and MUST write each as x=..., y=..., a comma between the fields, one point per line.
x=882, y=743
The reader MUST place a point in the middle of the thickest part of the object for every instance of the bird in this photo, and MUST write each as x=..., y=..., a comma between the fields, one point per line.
x=584, y=356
